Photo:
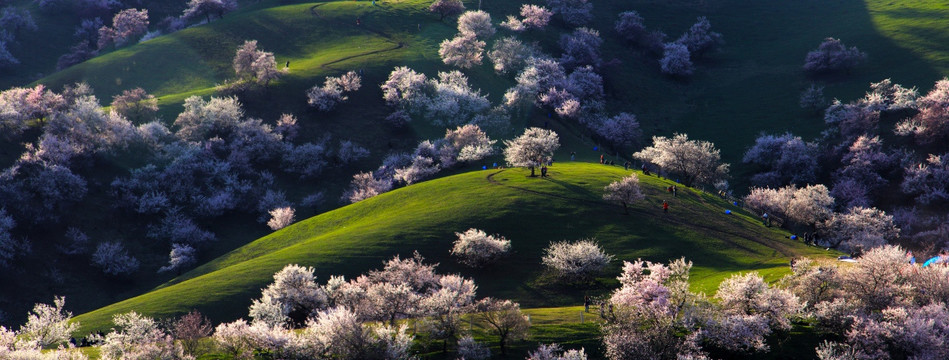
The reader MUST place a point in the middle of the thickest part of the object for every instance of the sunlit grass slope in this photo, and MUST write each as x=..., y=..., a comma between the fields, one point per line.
x=531, y=212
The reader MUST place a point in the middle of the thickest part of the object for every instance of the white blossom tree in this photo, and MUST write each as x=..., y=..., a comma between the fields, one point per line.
x=505, y=319
x=577, y=260
x=469, y=348
x=676, y=60
x=928, y=181
x=138, y=337
x=785, y=159
x=113, y=259
x=295, y=292
x=477, y=23
x=333, y=91
x=700, y=39
x=444, y=307
x=508, y=54
x=832, y=55
x=281, y=217
x=931, y=124
x=581, y=47
x=364, y=186
x=624, y=191
x=181, y=255
x=860, y=229
x=49, y=325
x=532, y=148
x=476, y=248
x=470, y=142
x=250, y=63
x=748, y=294
x=695, y=160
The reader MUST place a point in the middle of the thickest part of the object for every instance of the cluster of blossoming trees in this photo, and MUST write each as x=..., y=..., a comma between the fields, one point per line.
x=213, y=161
x=879, y=308
x=876, y=194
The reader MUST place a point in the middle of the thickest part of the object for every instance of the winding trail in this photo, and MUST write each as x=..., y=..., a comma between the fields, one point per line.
x=329, y=65
x=774, y=245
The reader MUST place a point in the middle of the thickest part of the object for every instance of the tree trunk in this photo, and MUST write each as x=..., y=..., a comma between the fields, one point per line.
x=532, y=171
x=503, y=349
x=625, y=209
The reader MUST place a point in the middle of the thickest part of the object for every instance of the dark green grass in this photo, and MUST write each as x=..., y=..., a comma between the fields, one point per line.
x=531, y=212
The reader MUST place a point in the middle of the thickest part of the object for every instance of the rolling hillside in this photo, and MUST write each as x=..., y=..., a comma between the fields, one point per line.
x=531, y=212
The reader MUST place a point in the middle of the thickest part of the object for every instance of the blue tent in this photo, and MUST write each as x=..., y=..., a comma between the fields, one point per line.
x=932, y=260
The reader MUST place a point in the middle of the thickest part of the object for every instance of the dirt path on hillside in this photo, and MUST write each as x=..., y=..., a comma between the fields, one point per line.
x=674, y=220
x=395, y=44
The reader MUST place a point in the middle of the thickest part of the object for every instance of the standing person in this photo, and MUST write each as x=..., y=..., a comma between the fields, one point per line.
x=573, y=155
x=675, y=191
x=586, y=304
x=543, y=171
x=626, y=166
x=665, y=206
x=601, y=158
x=766, y=220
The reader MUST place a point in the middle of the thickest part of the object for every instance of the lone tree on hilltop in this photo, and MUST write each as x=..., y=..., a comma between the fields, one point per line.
x=695, y=160
x=532, y=148
x=624, y=191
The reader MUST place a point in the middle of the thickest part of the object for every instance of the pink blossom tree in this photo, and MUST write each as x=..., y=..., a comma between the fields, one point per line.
x=127, y=24
x=464, y=51
x=136, y=105
x=365, y=186
x=446, y=8
x=931, y=124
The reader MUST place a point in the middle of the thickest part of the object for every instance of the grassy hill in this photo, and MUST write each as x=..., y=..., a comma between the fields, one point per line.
x=531, y=212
